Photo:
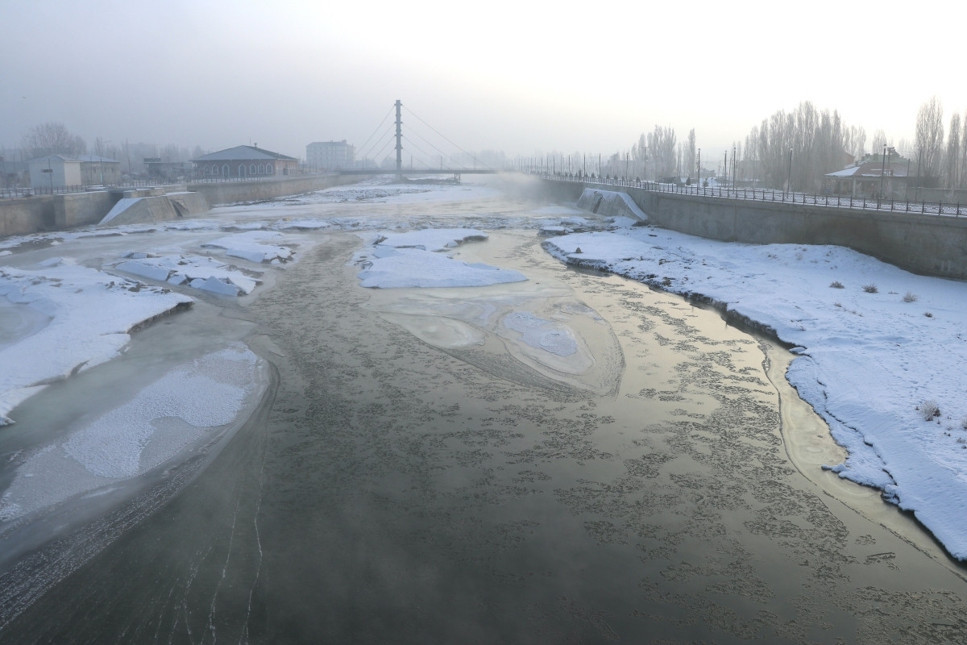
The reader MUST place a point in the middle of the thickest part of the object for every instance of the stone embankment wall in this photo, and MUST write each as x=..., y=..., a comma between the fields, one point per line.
x=925, y=244
x=58, y=212
x=51, y=212
x=256, y=191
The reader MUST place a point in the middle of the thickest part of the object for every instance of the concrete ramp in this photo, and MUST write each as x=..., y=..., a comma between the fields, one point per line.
x=132, y=209
x=610, y=203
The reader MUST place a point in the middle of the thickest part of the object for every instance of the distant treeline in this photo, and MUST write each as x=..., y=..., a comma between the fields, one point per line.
x=795, y=150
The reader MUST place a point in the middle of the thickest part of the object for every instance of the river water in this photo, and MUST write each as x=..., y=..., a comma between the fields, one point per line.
x=417, y=474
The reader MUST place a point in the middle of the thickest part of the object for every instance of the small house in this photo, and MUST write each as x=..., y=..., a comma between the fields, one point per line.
x=54, y=172
x=874, y=176
x=99, y=171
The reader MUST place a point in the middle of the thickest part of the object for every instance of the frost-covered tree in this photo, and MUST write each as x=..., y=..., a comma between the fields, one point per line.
x=952, y=157
x=690, y=148
x=52, y=138
x=854, y=141
x=750, y=159
x=929, y=142
x=639, y=152
x=879, y=142
x=796, y=150
x=662, y=146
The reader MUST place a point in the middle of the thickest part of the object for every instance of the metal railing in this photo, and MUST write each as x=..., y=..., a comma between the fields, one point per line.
x=778, y=196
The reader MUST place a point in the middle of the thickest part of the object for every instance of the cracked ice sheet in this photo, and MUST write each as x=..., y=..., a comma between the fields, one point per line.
x=82, y=318
x=199, y=272
x=255, y=246
x=184, y=410
x=412, y=259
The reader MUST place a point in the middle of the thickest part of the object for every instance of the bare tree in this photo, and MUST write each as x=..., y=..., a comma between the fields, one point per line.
x=750, y=161
x=690, y=154
x=661, y=144
x=797, y=150
x=952, y=158
x=962, y=180
x=639, y=152
x=52, y=138
x=929, y=141
x=854, y=142
x=879, y=142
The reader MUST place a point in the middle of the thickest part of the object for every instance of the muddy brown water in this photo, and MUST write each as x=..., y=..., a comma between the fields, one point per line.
x=421, y=475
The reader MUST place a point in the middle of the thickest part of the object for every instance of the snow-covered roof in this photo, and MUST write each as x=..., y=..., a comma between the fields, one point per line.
x=54, y=157
x=79, y=159
x=96, y=159
x=244, y=153
x=870, y=169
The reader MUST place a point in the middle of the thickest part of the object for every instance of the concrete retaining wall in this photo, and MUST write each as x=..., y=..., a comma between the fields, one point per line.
x=924, y=244
x=55, y=212
x=259, y=191
x=27, y=215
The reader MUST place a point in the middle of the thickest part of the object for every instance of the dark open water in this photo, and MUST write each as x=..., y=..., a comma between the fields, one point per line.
x=401, y=487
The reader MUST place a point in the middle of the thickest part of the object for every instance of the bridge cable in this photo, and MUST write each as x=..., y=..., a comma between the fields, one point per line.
x=425, y=161
x=363, y=147
x=430, y=143
x=444, y=137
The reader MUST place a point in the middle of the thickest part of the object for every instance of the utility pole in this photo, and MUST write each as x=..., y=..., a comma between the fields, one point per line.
x=399, y=141
x=882, y=172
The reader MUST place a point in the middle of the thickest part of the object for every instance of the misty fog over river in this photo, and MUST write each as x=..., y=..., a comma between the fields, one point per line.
x=567, y=458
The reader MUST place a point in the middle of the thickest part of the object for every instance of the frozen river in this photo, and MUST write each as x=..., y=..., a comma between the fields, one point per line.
x=573, y=457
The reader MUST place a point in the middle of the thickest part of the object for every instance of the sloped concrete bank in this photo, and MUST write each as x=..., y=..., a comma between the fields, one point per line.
x=610, y=203
x=139, y=209
x=923, y=244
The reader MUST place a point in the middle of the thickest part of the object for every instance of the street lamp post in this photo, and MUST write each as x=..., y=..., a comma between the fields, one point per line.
x=882, y=173
x=699, y=184
x=789, y=173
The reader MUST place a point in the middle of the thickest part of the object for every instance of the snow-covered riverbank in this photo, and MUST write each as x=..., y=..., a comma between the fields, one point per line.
x=878, y=348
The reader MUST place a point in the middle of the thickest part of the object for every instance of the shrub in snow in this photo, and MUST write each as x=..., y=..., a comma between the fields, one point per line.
x=929, y=410
x=910, y=297
x=836, y=284
x=963, y=423
x=870, y=288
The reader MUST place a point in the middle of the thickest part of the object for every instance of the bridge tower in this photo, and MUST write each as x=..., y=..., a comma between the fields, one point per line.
x=399, y=139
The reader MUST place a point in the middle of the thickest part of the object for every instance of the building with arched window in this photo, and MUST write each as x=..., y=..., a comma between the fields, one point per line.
x=243, y=162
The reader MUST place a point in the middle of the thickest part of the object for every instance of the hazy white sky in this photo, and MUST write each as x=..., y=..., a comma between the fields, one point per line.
x=520, y=76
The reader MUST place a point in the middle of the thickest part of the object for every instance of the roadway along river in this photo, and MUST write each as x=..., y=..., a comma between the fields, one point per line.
x=402, y=486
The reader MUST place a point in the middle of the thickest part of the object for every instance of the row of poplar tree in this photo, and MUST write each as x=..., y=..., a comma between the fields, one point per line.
x=795, y=150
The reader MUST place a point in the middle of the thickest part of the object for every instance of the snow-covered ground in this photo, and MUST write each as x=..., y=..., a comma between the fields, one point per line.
x=878, y=348
x=876, y=345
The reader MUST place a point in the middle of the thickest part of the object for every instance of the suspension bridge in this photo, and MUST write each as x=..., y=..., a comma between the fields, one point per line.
x=436, y=162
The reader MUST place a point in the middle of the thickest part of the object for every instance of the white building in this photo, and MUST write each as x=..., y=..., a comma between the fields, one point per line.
x=329, y=155
x=54, y=172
